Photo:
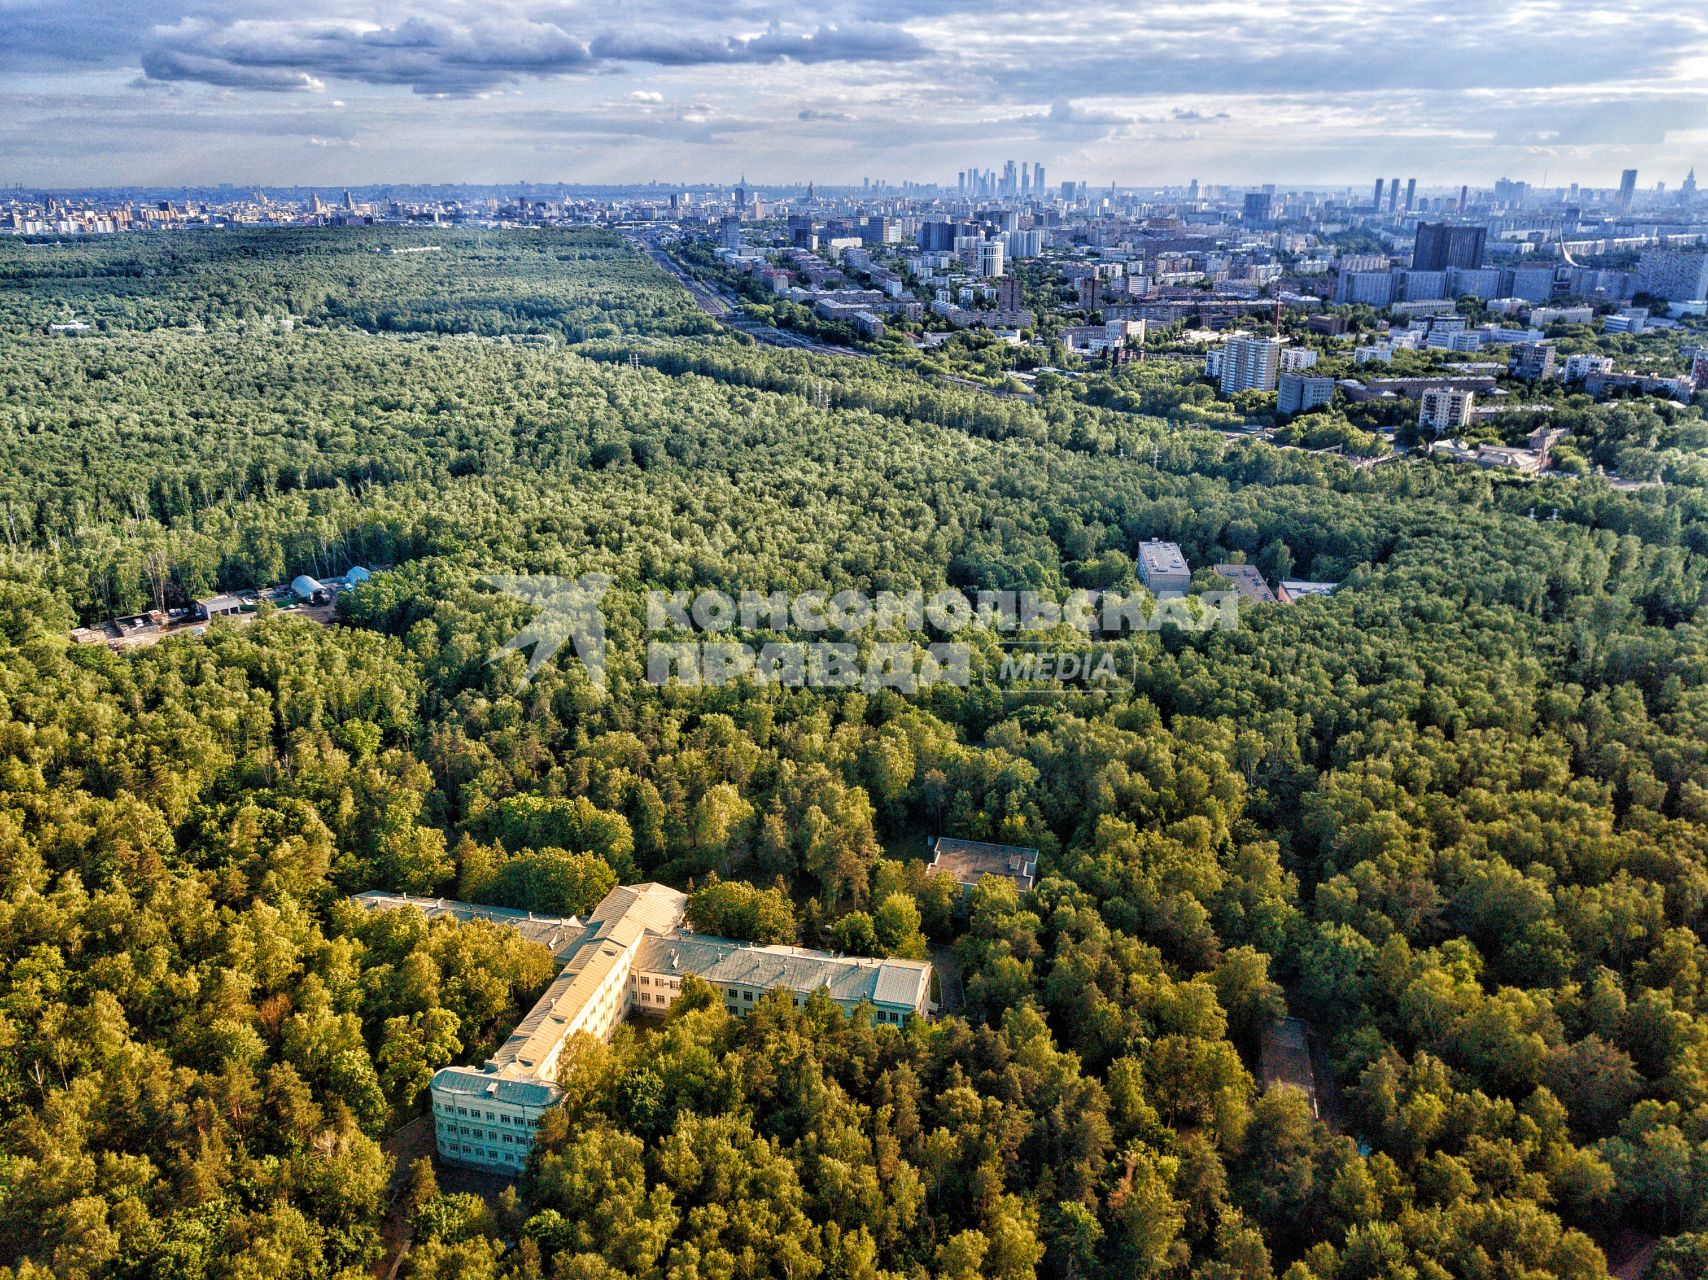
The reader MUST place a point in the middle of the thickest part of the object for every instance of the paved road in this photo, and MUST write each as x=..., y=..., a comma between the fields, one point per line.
x=722, y=308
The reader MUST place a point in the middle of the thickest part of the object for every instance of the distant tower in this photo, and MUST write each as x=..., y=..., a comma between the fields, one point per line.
x=1627, y=188
x=1411, y=193
x=1394, y=196
x=1378, y=201
x=741, y=196
x=1689, y=187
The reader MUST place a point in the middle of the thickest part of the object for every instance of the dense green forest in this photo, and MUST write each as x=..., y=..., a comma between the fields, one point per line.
x=1455, y=815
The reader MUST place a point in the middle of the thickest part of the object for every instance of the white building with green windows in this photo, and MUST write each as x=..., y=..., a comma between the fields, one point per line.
x=631, y=953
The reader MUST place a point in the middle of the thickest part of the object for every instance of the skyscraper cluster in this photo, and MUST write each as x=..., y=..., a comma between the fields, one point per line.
x=1017, y=180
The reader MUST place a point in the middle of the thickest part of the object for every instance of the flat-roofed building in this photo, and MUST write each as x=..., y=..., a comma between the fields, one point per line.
x=1163, y=568
x=631, y=953
x=1248, y=582
x=1292, y=590
x=1250, y=364
x=967, y=862
x=1298, y=392
x=1445, y=408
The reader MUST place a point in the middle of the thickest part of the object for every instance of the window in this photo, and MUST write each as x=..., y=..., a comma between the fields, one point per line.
x=747, y=996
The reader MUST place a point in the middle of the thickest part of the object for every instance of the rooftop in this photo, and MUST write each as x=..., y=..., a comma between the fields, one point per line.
x=969, y=861
x=643, y=924
x=1248, y=582
x=1162, y=557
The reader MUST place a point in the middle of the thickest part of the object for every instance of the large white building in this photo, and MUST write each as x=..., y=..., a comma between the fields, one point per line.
x=631, y=953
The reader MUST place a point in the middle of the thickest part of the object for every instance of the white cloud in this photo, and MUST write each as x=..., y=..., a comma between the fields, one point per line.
x=1302, y=90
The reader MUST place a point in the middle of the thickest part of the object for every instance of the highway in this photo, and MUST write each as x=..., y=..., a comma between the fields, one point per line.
x=726, y=311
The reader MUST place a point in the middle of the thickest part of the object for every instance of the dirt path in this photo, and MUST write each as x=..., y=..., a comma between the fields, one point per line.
x=405, y=1146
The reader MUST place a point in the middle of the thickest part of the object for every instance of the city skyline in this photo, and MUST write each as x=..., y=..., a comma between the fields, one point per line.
x=109, y=92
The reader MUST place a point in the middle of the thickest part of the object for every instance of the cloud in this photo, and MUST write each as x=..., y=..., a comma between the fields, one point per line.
x=858, y=43
x=429, y=54
x=178, y=64
x=440, y=55
x=1241, y=90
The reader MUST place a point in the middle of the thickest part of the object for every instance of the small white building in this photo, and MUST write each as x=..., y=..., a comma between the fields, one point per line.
x=1163, y=568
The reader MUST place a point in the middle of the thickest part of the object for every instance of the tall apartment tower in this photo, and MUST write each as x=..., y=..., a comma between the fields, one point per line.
x=1441, y=245
x=1394, y=196
x=1038, y=179
x=1250, y=364
x=1378, y=200
x=1411, y=193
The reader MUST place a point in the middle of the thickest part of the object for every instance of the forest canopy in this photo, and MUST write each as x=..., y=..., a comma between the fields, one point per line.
x=1454, y=816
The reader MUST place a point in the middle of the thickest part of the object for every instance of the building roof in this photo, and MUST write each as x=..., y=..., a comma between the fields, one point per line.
x=1248, y=582
x=969, y=861
x=1162, y=557
x=474, y=1082
x=558, y=934
x=848, y=979
x=642, y=922
x=1300, y=587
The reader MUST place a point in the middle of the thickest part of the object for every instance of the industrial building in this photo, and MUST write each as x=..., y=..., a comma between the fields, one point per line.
x=632, y=953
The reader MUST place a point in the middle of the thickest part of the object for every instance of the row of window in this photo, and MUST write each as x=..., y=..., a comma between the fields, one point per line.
x=495, y=1117
x=490, y=1135
x=481, y=1153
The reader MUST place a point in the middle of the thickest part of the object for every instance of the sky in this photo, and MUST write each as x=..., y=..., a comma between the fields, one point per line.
x=1148, y=92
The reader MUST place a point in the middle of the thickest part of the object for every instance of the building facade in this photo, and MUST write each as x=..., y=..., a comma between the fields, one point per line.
x=1250, y=364
x=1445, y=408
x=1440, y=245
x=1297, y=393
x=1163, y=568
